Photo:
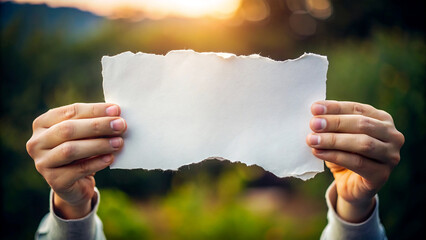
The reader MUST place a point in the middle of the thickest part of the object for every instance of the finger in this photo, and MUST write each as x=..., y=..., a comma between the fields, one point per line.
x=335, y=107
x=355, y=143
x=69, y=174
x=82, y=128
x=332, y=166
x=76, y=111
x=367, y=168
x=352, y=124
x=68, y=152
x=87, y=167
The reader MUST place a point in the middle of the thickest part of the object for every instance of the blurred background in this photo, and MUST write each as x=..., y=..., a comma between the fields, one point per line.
x=50, y=56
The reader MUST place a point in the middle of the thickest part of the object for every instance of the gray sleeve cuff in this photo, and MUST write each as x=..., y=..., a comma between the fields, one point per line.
x=54, y=227
x=337, y=228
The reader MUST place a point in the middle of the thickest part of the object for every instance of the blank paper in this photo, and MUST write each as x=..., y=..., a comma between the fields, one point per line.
x=184, y=107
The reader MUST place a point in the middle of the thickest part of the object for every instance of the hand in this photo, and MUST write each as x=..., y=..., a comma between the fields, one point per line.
x=69, y=145
x=360, y=145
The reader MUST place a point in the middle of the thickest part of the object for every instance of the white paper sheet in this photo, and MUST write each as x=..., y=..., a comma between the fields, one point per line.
x=186, y=106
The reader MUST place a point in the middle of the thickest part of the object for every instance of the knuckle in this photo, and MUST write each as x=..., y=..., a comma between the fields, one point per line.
x=49, y=112
x=37, y=122
x=93, y=110
x=359, y=162
x=396, y=137
x=338, y=123
x=358, y=108
x=67, y=150
x=333, y=140
x=400, y=138
x=39, y=167
x=367, y=145
x=66, y=130
x=336, y=106
x=96, y=126
x=30, y=146
x=71, y=111
x=386, y=115
x=394, y=159
x=388, y=126
x=364, y=125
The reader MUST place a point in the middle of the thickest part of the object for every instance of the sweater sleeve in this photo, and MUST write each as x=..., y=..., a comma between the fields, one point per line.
x=337, y=228
x=54, y=227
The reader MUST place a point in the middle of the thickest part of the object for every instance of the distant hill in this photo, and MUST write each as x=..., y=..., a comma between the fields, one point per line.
x=73, y=22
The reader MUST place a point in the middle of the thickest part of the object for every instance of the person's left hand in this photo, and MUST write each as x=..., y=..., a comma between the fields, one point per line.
x=360, y=145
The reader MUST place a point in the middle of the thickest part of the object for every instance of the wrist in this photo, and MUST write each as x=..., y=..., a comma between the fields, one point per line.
x=355, y=212
x=67, y=210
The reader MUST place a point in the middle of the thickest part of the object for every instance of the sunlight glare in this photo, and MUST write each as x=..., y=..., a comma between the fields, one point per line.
x=139, y=9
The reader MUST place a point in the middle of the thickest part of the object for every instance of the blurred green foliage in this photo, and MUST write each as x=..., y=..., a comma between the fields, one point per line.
x=42, y=69
x=205, y=208
x=120, y=219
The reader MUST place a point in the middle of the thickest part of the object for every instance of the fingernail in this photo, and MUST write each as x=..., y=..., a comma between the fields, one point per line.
x=117, y=124
x=112, y=111
x=318, y=109
x=319, y=123
x=315, y=139
x=107, y=158
x=115, y=142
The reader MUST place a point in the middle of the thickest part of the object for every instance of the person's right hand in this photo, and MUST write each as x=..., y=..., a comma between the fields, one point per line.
x=69, y=145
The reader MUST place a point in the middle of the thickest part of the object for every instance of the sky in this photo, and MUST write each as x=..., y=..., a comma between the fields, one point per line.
x=140, y=9
x=302, y=20
x=252, y=10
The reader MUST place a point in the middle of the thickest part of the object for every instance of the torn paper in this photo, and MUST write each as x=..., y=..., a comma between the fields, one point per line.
x=186, y=106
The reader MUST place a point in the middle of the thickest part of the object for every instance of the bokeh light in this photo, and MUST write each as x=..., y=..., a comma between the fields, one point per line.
x=50, y=55
x=302, y=19
x=140, y=9
x=255, y=10
x=320, y=9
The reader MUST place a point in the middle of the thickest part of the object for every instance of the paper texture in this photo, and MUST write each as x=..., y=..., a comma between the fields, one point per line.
x=184, y=107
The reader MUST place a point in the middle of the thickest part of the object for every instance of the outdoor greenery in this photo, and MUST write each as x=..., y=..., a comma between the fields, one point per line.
x=46, y=68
